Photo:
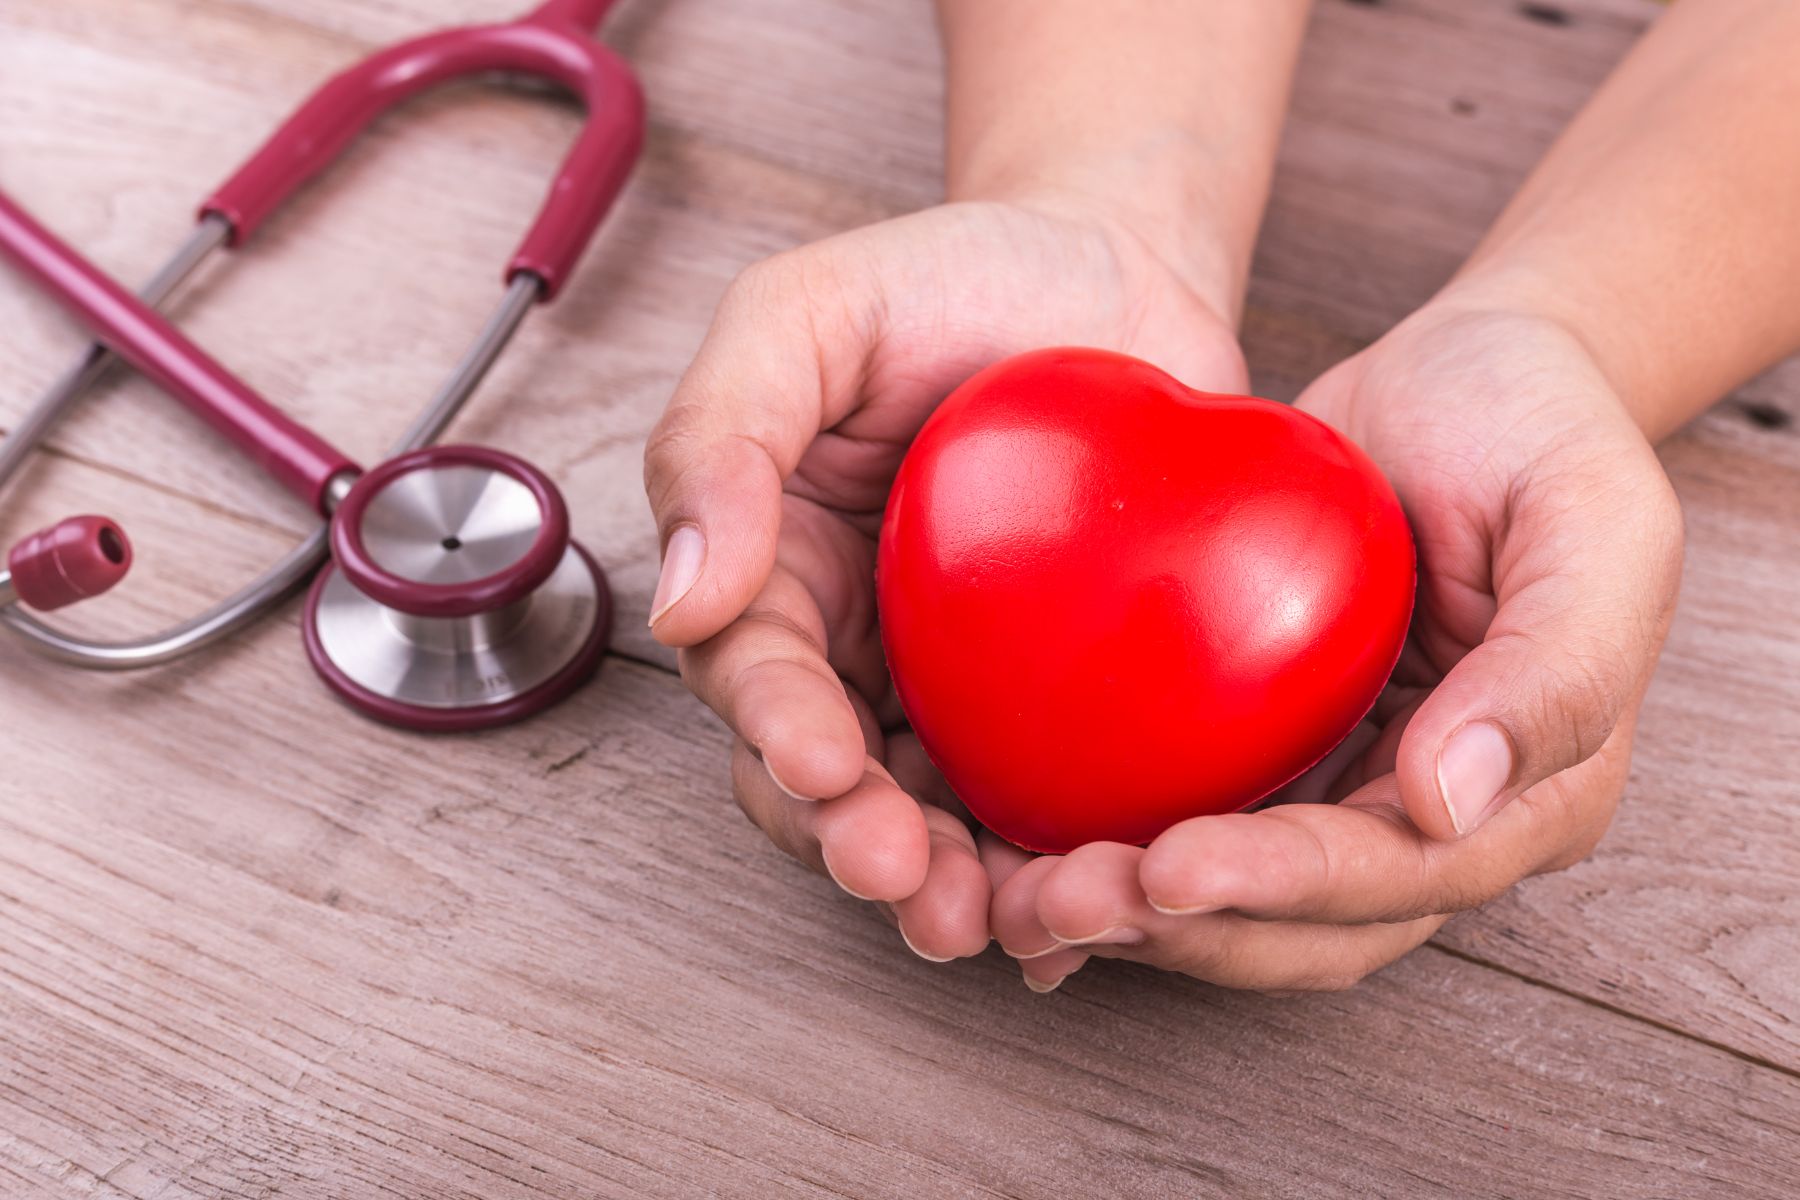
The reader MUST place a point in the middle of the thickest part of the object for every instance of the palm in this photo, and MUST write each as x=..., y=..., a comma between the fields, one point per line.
x=1549, y=549
x=961, y=287
x=769, y=473
x=1492, y=431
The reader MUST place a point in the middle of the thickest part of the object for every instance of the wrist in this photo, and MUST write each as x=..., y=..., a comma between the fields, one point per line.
x=1164, y=123
x=1567, y=309
x=1148, y=209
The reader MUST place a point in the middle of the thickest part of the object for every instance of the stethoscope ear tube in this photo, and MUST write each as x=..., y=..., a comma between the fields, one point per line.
x=552, y=42
x=222, y=619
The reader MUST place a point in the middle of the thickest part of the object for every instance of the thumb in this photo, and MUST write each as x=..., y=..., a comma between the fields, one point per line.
x=1569, y=651
x=742, y=416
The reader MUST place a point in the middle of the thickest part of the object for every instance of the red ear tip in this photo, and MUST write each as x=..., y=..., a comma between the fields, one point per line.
x=72, y=560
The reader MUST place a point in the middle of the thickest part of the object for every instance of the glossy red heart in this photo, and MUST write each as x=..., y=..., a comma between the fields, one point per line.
x=1111, y=603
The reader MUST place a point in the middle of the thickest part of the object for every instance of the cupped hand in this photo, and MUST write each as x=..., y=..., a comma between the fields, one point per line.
x=769, y=472
x=1549, y=547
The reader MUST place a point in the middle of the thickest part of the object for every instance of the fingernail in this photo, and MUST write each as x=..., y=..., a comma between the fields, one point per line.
x=1473, y=769
x=1041, y=988
x=785, y=789
x=680, y=568
x=1052, y=948
x=927, y=957
x=829, y=870
x=1190, y=910
x=1118, y=935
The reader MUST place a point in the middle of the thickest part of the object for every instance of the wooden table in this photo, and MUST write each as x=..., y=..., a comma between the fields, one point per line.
x=252, y=945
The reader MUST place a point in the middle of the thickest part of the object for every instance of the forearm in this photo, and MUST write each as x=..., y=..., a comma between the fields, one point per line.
x=1167, y=111
x=1663, y=229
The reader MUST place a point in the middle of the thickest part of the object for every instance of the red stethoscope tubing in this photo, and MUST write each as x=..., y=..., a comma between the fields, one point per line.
x=294, y=455
x=553, y=41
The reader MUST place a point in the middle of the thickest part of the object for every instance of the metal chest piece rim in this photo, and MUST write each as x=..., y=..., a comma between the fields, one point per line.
x=456, y=599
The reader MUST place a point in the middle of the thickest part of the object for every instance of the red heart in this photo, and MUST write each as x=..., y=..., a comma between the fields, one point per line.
x=1111, y=603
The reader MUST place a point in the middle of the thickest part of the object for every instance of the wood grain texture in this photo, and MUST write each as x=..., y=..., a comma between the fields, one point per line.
x=554, y=963
x=251, y=945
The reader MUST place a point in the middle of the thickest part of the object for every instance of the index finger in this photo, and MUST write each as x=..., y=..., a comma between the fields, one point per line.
x=742, y=416
x=1363, y=860
x=766, y=674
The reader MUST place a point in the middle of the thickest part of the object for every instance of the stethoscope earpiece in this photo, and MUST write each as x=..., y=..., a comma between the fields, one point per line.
x=456, y=599
x=75, y=559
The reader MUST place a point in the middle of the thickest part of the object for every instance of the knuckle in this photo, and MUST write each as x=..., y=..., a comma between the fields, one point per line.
x=1583, y=816
x=1671, y=522
x=1671, y=551
x=1305, y=856
x=1662, y=537
x=785, y=613
x=1337, y=981
x=1577, y=705
x=669, y=448
x=1662, y=507
x=690, y=436
x=1593, y=697
x=765, y=282
x=1366, y=860
x=1065, y=904
x=752, y=283
x=1459, y=895
x=823, y=287
x=779, y=627
x=1218, y=959
x=760, y=668
x=775, y=729
x=1572, y=855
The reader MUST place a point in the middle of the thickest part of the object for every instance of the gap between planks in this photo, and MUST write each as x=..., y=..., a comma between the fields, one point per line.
x=153, y=484
x=1755, y=1060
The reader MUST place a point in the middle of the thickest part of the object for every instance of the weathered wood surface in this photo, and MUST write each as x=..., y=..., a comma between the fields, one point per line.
x=554, y=962
x=252, y=945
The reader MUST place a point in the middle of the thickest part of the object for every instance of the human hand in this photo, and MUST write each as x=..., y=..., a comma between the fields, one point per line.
x=769, y=472
x=1549, y=550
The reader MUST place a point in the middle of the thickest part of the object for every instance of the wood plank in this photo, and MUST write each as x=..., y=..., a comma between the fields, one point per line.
x=852, y=93
x=325, y=958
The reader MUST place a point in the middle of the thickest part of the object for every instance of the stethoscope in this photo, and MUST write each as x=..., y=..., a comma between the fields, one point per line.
x=455, y=598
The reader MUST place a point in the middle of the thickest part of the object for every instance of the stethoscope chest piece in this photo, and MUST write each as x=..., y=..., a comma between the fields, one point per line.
x=456, y=599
